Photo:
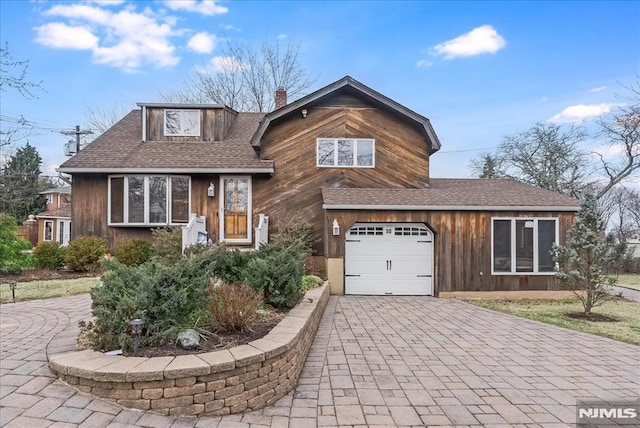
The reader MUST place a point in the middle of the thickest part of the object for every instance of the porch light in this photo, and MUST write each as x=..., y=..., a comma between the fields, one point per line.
x=136, y=329
x=336, y=227
x=304, y=112
x=211, y=191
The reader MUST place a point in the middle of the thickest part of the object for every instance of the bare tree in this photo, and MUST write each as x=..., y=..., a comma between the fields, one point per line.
x=101, y=118
x=245, y=78
x=547, y=155
x=621, y=130
x=13, y=75
x=620, y=209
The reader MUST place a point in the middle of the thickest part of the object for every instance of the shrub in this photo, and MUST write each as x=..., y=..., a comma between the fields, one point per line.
x=229, y=264
x=85, y=252
x=167, y=244
x=49, y=255
x=134, y=252
x=234, y=307
x=309, y=282
x=166, y=297
x=295, y=230
x=277, y=269
x=13, y=256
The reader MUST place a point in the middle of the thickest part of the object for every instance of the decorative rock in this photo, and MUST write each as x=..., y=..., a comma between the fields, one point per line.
x=189, y=339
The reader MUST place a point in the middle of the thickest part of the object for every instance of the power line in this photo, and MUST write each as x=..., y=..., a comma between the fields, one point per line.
x=77, y=132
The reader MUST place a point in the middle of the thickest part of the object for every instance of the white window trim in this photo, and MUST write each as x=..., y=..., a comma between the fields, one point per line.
x=199, y=129
x=125, y=201
x=355, y=153
x=221, y=204
x=513, y=245
x=50, y=198
x=44, y=232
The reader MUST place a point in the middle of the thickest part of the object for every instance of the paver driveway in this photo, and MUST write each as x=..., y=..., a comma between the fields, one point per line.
x=395, y=361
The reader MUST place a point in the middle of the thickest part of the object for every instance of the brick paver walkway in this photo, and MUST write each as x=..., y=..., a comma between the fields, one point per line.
x=377, y=361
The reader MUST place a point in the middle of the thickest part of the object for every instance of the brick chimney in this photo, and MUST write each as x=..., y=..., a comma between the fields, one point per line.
x=281, y=97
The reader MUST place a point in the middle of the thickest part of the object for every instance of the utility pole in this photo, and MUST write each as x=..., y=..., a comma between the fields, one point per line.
x=77, y=132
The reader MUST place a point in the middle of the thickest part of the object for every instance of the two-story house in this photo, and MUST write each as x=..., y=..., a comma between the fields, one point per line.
x=54, y=224
x=350, y=160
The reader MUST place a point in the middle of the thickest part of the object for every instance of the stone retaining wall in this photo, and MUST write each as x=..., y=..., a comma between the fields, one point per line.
x=215, y=383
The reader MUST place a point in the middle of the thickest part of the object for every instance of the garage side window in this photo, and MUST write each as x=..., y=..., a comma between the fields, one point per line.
x=523, y=245
x=345, y=152
x=148, y=200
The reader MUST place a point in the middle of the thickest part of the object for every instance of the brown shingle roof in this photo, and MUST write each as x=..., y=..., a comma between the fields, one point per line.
x=121, y=148
x=58, y=212
x=445, y=193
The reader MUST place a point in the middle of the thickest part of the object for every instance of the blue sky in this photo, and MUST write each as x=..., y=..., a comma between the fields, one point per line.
x=477, y=70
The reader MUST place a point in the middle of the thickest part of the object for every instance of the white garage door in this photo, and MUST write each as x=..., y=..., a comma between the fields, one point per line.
x=389, y=258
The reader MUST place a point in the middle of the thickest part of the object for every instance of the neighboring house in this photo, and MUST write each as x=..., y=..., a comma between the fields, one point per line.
x=54, y=225
x=350, y=160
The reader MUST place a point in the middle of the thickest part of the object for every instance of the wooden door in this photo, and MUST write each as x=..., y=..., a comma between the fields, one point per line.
x=236, y=203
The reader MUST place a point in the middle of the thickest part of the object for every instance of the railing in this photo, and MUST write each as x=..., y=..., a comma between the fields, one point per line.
x=262, y=231
x=195, y=232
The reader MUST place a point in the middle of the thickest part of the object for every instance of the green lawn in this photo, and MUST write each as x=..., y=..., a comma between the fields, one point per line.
x=553, y=312
x=629, y=280
x=45, y=289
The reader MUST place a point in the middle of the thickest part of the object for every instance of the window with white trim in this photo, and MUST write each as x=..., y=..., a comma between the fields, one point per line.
x=181, y=123
x=148, y=200
x=48, y=230
x=49, y=198
x=345, y=152
x=523, y=245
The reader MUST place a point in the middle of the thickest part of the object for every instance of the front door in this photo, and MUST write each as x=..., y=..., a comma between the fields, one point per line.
x=235, y=212
x=64, y=231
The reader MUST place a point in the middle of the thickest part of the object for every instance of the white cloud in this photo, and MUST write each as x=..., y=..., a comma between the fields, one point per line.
x=581, y=112
x=282, y=36
x=126, y=39
x=223, y=64
x=205, y=7
x=106, y=2
x=230, y=27
x=202, y=42
x=480, y=40
x=63, y=36
x=543, y=99
x=423, y=63
x=598, y=89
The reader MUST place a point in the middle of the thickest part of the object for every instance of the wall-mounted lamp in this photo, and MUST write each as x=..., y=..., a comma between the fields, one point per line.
x=335, y=227
x=304, y=112
x=211, y=191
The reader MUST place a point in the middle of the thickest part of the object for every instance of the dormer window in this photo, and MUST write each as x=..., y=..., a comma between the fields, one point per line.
x=181, y=123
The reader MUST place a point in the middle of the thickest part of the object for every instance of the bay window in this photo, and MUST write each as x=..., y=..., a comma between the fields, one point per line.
x=148, y=200
x=523, y=245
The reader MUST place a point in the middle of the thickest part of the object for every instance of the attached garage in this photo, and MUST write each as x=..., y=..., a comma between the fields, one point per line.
x=389, y=259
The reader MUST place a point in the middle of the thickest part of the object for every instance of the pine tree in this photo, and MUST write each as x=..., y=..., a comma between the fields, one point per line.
x=20, y=184
x=588, y=253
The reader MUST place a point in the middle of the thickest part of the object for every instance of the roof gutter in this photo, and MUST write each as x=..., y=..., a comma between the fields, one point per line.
x=73, y=170
x=449, y=207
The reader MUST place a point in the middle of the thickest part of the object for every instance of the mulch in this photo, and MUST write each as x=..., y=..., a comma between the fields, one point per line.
x=217, y=342
x=47, y=274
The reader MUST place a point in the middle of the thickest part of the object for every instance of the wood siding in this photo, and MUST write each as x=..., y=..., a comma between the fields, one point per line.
x=89, y=213
x=401, y=160
x=462, y=247
x=214, y=124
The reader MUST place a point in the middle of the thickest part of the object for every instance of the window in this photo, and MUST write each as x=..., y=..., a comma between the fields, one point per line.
x=48, y=230
x=181, y=123
x=345, y=152
x=523, y=245
x=49, y=198
x=148, y=200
